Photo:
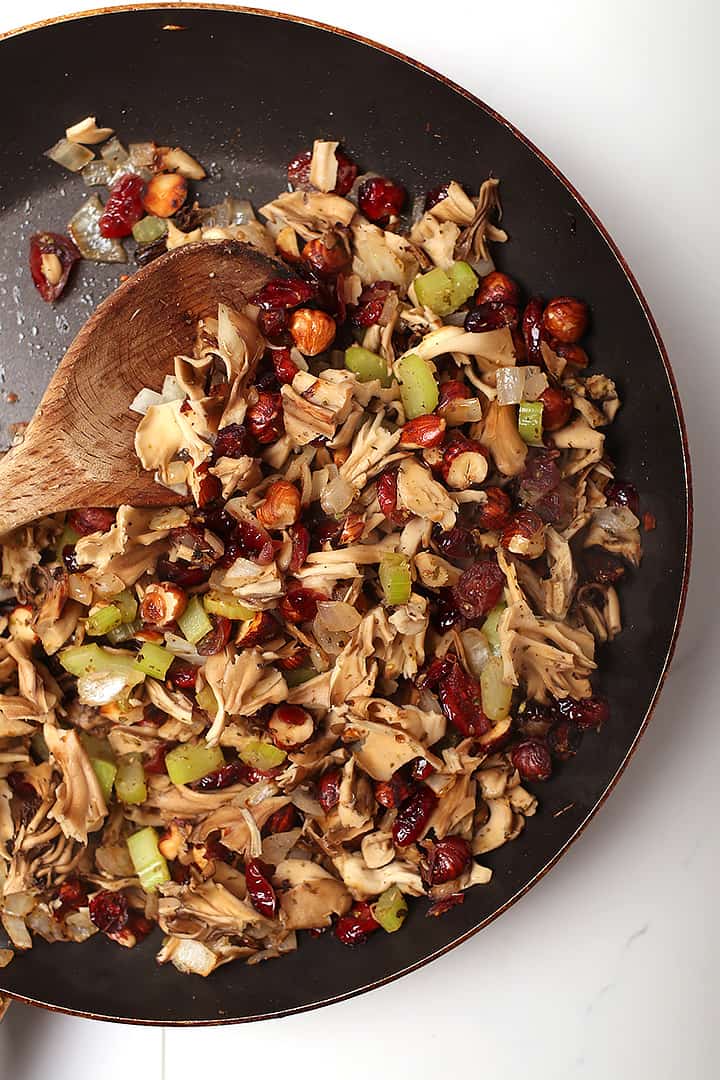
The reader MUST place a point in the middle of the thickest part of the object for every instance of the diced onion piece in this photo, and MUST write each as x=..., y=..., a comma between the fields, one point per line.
x=615, y=519
x=105, y=772
x=103, y=619
x=227, y=606
x=130, y=784
x=191, y=957
x=206, y=700
x=69, y=155
x=186, y=764
x=114, y=152
x=96, y=174
x=6, y=956
x=395, y=579
x=154, y=660
x=391, y=909
x=338, y=616
x=19, y=903
x=477, y=650
x=418, y=386
x=102, y=688
x=87, y=132
x=150, y=865
x=194, y=621
x=490, y=626
x=530, y=422
x=536, y=382
x=17, y=931
x=84, y=228
x=496, y=694
x=366, y=365
x=510, y=384
x=337, y=496
x=144, y=400
x=142, y=154
x=261, y=755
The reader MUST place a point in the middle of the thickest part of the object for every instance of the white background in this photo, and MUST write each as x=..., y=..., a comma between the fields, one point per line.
x=609, y=967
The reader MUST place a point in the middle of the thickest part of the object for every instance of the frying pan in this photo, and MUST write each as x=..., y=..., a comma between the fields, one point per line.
x=245, y=90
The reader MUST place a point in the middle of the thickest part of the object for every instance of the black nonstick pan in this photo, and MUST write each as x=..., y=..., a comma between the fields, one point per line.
x=244, y=91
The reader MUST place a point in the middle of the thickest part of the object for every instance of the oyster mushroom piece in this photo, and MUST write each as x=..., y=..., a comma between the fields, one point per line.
x=312, y=895
x=380, y=750
x=497, y=829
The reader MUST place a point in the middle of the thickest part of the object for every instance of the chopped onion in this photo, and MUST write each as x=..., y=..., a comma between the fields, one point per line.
x=144, y=400
x=79, y=926
x=229, y=212
x=535, y=382
x=180, y=647
x=477, y=650
x=84, y=229
x=337, y=496
x=338, y=616
x=114, y=152
x=277, y=847
x=101, y=688
x=19, y=903
x=510, y=383
x=97, y=173
x=17, y=931
x=616, y=519
x=70, y=155
x=142, y=154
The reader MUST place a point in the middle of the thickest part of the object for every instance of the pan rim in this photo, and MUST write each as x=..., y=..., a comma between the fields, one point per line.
x=687, y=470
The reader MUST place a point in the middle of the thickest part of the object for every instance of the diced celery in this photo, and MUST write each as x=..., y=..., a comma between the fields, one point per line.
x=207, y=700
x=261, y=755
x=418, y=388
x=391, y=909
x=103, y=619
x=91, y=659
x=130, y=786
x=101, y=759
x=366, y=365
x=395, y=577
x=434, y=290
x=530, y=422
x=96, y=747
x=154, y=660
x=150, y=865
x=496, y=694
x=185, y=763
x=227, y=607
x=148, y=229
x=490, y=626
x=194, y=622
x=296, y=676
x=464, y=282
x=123, y=632
x=127, y=605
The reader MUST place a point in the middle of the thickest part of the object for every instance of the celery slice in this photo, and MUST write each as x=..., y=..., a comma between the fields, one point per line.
x=194, y=622
x=127, y=605
x=464, y=282
x=154, y=660
x=123, y=632
x=366, y=365
x=148, y=229
x=490, y=626
x=261, y=755
x=496, y=694
x=296, y=676
x=395, y=578
x=434, y=290
x=150, y=865
x=101, y=759
x=186, y=764
x=391, y=909
x=130, y=785
x=418, y=388
x=91, y=659
x=103, y=619
x=530, y=426
x=207, y=700
x=227, y=607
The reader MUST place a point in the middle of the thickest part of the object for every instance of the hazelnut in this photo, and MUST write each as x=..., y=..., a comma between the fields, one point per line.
x=261, y=627
x=171, y=842
x=464, y=463
x=312, y=331
x=524, y=534
x=51, y=268
x=327, y=256
x=281, y=507
x=423, y=432
x=287, y=244
x=557, y=408
x=290, y=726
x=162, y=603
x=565, y=319
x=497, y=288
x=165, y=194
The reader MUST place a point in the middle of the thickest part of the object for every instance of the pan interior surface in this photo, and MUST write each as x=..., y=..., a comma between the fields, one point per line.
x=244, y=92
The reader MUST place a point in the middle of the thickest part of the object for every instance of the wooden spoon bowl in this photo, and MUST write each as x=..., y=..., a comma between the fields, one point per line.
x=79, y=448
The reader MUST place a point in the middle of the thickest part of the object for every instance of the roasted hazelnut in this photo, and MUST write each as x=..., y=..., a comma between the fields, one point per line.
x=524, y=534
x=290, y=726
x=162, y=603
x=571, y=353
x=497, y=288
x=494, y=513
x=532, y=760
x=328, y=255
x=464, y=463
x=51, y=268
x=312, y=331
x=423, y=432
x=565, y=319
x=260, y=628
x=281, y=507
x=165, y=194
x=557, y=408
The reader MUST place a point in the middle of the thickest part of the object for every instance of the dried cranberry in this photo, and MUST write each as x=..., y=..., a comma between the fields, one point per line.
x=249, y=541
x=273, y=323
x=91, y=520
x=491, y=316
x=601, y=566
x=233, y=441
x=421, y=769
x=329, y=789
x=394, y=792
x=70, y=560
x=220, y=522
x=182, y=676
x=413, y=816
x=209, y=488
x=293, y=660
x=532, y=330
x=532, y=760
x=452, y=390
x=495, y=512
x=459, y=695
x=355, y=927
x=124, y=206
x=265, y=418
x=446, y=613
x=379, y=199
x=371, y=303
x=300, y=540
x=72, y=895
x=591, y=712
x=284, y=293
x=48, y=244
x=564, y=740
x=261, y=893
x=139, y=926
x=155, y=764
x=283, y=820
x=181, y=572
x=440, y=907
x=284, y=366
x=447, y=860
x=623, y=493
x=435, y=195
x=535, y=719
x=557, y=408
x=225, y=776
x=479, y=588
x=216, y=640
x=456, y=543
x=387, y=497
x=300, y=604
x=109, y=911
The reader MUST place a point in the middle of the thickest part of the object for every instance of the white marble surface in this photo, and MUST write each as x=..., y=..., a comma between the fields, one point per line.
x=609, y=967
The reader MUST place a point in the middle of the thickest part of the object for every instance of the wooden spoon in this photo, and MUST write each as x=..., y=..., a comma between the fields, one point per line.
x=78, y=449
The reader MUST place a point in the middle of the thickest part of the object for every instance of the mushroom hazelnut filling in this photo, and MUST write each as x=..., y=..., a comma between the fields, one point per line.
x=331, y=680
